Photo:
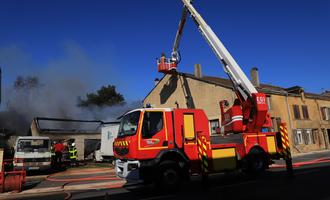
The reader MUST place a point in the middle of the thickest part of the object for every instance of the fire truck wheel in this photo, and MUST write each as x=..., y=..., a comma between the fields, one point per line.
x=169, y=177
x=257, y=161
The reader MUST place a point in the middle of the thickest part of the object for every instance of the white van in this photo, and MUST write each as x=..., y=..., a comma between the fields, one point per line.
x=32, y=153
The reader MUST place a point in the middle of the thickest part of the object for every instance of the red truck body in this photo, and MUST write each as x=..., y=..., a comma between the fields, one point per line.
x=150, y=136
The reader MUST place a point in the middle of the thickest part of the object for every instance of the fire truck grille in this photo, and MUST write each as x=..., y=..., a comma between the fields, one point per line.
x=121, y=151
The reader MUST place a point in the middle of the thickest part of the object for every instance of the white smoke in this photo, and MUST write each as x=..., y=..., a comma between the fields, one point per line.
x=62, y=81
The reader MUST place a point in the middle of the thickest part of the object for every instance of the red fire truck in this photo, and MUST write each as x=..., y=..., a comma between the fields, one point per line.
x=168, y=145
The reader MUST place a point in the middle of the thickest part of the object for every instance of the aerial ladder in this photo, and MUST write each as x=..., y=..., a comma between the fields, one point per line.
x=253, y=115
x=167, y=145
x=249, y=113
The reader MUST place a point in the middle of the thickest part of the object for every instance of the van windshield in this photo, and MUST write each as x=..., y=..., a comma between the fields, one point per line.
x=33, y=145
x=129, y=124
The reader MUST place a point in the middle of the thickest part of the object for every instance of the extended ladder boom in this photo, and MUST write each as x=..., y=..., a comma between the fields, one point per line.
x=251, y=109
x=241, y=83
x=175, y=54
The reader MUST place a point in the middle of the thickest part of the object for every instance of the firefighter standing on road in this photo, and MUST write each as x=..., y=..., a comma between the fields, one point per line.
x=59, y=148
x=73, y=153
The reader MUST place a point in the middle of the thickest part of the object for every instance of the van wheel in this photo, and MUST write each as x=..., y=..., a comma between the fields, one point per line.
x=257, y=161
x=169, y=176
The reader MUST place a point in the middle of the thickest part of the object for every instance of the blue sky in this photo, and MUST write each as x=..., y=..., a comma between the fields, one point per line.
x=117, y=42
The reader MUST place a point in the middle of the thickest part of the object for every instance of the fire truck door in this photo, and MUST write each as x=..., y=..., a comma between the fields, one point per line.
x=154, y=132
x=189, y=127
x=189, y=133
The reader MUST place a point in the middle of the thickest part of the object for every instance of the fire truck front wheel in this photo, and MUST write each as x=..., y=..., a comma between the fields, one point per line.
x=169, y=175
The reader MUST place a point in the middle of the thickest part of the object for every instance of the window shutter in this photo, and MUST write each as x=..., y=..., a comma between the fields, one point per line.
x=323, y=111
x=315, y=136
x=296, y=112
x=305, y=136
x=305, y=112
x=296, y=140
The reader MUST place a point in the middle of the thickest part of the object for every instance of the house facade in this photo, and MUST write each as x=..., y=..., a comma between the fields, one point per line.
x=307, y=115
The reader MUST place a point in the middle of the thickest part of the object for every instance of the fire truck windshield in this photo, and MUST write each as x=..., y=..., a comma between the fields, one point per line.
x=129, y=124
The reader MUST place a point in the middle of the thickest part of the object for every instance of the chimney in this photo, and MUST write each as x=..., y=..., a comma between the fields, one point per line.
x=198, y=71
x=255, y=77
x=156, y=81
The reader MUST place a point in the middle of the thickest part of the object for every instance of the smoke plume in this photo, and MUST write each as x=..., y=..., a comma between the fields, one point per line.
x=61, y=82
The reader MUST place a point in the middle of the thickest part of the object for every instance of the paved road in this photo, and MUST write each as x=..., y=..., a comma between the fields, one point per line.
x=310, y=182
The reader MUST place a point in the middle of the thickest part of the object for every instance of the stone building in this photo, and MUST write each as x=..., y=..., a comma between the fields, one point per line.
x=84, y=137
x=307, y=115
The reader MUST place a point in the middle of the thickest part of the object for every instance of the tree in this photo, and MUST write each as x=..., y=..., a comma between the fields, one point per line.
x=106, y=96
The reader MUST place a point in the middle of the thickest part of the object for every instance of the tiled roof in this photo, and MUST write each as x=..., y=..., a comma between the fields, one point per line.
x=266, y=88
x=227, y=83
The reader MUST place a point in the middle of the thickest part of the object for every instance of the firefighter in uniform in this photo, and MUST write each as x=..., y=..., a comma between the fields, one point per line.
x=58, y=148
x=73, y=154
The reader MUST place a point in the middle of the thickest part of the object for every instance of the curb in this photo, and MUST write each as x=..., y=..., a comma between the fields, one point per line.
x=310, y=153
x=302, y=163
x=66, y=188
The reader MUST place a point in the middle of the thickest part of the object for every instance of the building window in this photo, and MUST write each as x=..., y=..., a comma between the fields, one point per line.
x=305, y=112
x=214, y=124
x=268, y=100
x=308, y=136
x=325, y=113
x=296, y=112
x=298, y=138
x=305, y=136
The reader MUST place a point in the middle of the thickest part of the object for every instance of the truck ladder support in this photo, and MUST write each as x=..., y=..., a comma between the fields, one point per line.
x=240, y=81
x=286, y=152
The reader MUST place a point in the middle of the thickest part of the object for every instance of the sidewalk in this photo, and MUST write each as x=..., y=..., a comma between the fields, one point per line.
x=301, y=159
x=310, y=155
x=70, y=180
